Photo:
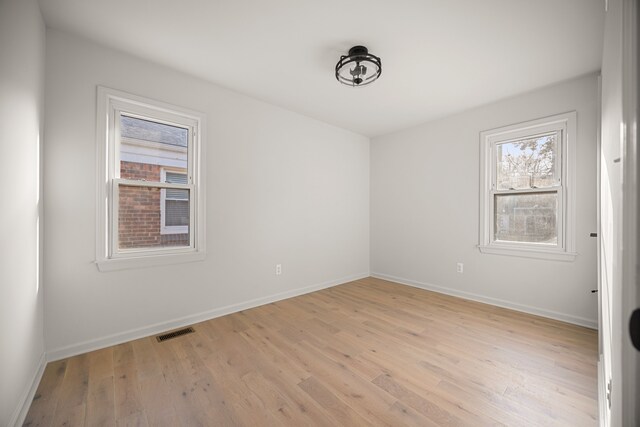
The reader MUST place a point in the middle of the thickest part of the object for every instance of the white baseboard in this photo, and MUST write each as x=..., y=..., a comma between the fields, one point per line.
x=576, y=320
x=107, y=341
x=27, y=395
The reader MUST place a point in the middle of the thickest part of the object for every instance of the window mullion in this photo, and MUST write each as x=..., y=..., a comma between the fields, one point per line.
x=527, y=190
x=153, y=184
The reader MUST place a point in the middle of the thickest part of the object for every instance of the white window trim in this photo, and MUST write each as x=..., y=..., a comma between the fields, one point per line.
x=109, y=102
x=169, y=229
x=565, y=250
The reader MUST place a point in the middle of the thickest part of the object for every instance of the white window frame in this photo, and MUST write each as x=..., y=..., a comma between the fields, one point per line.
x=111, y=103
x=565, y=125
x=169, y=229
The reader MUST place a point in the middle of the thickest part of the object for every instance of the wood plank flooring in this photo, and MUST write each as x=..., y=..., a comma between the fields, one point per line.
x=369, y=352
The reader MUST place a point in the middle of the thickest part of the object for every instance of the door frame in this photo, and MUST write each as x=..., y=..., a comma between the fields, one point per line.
x=630, y=357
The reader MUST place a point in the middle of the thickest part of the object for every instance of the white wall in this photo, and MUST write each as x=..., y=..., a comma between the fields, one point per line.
x=21, y=117
x=281, y=188
x=425, y=208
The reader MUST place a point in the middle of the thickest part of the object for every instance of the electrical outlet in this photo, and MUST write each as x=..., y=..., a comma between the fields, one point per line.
x=460, y=267
x=278, y=269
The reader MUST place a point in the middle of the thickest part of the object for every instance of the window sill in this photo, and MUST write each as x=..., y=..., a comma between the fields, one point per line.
x=529, y=253
x=113, y=264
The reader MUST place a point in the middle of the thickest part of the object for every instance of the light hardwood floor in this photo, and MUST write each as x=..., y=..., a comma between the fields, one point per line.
x=369, y=352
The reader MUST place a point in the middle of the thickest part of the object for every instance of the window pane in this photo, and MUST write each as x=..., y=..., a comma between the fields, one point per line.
x=527, y=163
x=147, y=146
x=139, y=219
x=177, y=212
x=176, y=178
x=527, y=218
x=177, y=194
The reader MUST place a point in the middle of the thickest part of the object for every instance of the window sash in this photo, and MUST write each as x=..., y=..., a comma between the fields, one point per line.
x=557, y=158
x=493, y=142
x=168, y=118
x=115, y=251
x=153, y=116
x=514, y=244
x=558, y=172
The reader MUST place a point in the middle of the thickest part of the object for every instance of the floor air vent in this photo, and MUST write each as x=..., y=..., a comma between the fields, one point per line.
x=175, y=334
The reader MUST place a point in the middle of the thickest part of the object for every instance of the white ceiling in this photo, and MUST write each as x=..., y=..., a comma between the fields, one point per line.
x=438, y=56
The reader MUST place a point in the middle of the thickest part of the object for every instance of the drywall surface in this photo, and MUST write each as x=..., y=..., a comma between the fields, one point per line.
x=22, y=47
x=425, y=209
x=281, y=189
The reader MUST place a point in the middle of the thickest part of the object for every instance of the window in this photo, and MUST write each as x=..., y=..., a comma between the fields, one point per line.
x=174, y=204
x=527, y=206
x=150, y=183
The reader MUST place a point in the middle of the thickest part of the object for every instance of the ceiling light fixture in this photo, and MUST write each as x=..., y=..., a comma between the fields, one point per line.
x=366, y=67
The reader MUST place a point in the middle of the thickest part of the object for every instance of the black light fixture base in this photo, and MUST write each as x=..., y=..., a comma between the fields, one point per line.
x=366, y=67
x=358, y=51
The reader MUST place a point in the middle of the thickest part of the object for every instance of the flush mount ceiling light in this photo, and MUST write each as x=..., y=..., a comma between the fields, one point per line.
x=359, y=68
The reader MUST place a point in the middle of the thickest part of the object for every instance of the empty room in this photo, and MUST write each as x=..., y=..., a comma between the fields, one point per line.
x=319, y=213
